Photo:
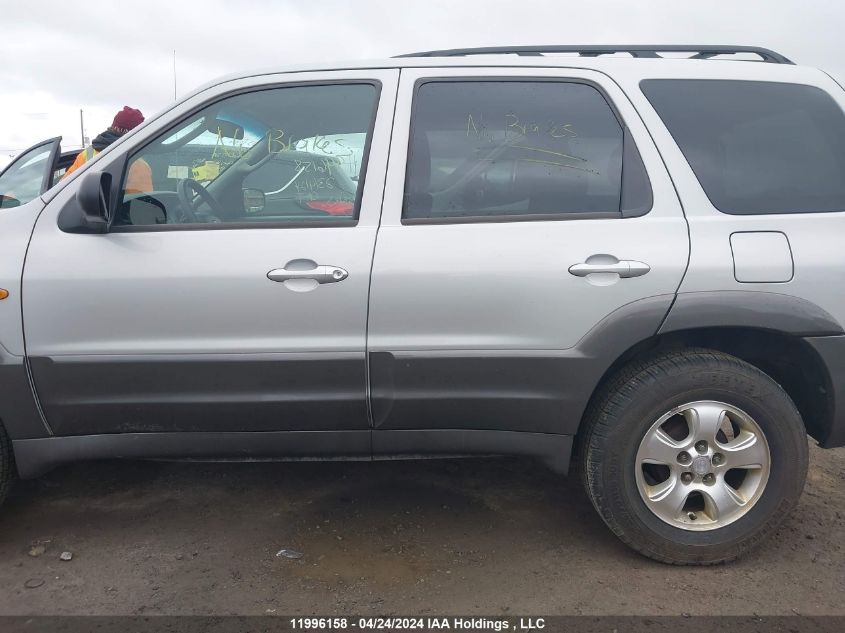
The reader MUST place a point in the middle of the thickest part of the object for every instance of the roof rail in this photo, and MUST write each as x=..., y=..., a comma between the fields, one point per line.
x=591, y=50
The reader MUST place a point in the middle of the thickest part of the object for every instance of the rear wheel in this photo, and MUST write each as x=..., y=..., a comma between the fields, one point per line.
x=694, y=456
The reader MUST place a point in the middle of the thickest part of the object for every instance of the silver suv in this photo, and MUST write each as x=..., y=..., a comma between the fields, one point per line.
x=630, y=261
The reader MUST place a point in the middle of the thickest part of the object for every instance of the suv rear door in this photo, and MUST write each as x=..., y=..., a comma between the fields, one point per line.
x=30, y=174
x=506, y=188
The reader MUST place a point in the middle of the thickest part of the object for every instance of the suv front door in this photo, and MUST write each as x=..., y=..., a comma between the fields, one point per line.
x=204, y=308
x=523, y=208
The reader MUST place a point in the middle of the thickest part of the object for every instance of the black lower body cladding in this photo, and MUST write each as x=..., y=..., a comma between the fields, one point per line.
x=18, y=408
x=160, y=393
x=831, y=350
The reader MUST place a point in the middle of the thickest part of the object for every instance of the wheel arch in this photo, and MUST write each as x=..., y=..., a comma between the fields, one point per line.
x=767, y=330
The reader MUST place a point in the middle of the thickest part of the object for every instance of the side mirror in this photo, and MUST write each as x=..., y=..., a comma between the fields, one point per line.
x=94, y=199
x=254, y=200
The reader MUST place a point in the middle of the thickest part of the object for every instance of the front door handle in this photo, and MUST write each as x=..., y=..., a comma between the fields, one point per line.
x=624, y=268
x=320, y=274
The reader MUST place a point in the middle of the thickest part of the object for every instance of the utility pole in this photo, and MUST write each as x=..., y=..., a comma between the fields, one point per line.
x=174, y=74
x=82, y=128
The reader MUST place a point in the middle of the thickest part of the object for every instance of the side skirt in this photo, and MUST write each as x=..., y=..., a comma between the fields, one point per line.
x=34, y=457
x=37, y=456
x=552, y=449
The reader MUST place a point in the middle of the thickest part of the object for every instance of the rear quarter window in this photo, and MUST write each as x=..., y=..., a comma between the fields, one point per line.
x=757, y=147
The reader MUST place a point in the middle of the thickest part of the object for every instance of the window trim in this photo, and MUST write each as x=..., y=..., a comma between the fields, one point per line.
x=525, y=217
x=516, y=217
x=218, y=226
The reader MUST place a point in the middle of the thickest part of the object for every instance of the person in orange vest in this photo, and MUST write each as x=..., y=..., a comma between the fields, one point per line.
x=140, y=176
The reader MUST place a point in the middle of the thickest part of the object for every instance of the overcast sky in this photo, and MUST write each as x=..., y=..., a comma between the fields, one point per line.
x=59, y=57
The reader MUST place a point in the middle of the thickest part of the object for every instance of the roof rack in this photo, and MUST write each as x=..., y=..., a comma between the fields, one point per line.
x=641, y=50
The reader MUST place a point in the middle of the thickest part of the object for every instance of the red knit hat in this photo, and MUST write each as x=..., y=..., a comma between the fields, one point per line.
x=127, y=119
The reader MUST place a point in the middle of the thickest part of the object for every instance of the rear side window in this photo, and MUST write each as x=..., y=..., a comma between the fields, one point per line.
x=487, y=150
x=757, y=147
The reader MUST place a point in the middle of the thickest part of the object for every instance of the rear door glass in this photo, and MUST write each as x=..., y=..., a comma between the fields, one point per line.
x=517, y=148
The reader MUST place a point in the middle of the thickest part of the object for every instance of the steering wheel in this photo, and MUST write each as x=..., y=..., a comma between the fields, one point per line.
x=184, y=190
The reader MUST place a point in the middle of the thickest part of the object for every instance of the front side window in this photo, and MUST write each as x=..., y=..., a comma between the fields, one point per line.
x=285, y=155
x=22, y=182
x=488, y=149
x=757, y=147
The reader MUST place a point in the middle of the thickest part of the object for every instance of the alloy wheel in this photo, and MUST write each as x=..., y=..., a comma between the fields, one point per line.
x=702, y=465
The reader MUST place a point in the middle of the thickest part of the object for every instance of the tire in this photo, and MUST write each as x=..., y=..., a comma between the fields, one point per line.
x=622, y=434
x=7, y=464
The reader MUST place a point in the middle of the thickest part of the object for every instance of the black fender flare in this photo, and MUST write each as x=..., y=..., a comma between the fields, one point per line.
x=626, y=332
x=751, y=309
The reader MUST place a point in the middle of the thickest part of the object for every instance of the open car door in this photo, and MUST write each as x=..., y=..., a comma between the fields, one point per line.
x=32, y=173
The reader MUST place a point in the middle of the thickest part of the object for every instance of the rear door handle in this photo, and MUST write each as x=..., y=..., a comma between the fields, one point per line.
x=320, y=274
x=624, y=268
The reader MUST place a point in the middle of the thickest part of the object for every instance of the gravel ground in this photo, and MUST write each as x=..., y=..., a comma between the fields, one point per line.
x=495, y=536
